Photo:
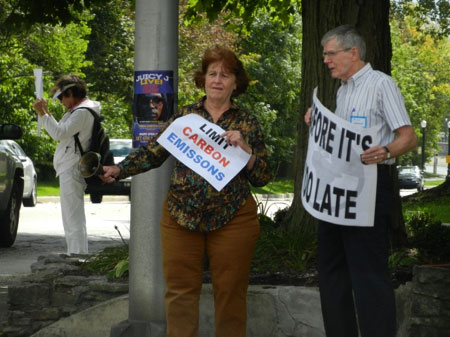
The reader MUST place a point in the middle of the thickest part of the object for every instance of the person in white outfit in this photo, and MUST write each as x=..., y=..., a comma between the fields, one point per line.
x=71, y=91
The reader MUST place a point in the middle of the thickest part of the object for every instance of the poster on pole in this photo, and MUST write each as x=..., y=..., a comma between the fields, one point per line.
x=39, y=92
x=153, y=103
x=197, y=143
x=337, y=187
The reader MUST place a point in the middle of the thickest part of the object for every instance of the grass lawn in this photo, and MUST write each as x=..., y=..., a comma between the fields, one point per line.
x=438, y=208
x=282, y=186
x=51, y=188
x=48, y=188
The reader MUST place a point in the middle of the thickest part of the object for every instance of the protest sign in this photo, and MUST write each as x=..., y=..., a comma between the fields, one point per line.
x=337, y=187
x=39, y=92
x=196, y=142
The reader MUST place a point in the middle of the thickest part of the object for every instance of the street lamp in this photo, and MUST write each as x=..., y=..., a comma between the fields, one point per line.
x=423, y=124
x=448, y=151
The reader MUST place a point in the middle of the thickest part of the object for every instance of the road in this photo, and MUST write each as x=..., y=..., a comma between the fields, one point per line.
x=41, y=232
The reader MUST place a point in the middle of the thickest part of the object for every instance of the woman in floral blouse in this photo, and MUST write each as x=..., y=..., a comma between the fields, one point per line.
x=198, y=219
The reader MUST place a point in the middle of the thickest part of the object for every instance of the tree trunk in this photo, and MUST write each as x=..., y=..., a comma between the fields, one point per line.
x=371, y=18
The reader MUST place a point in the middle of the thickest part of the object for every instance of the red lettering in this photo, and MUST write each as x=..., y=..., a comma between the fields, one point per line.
x=201, y=143
x=209, y=149
x=194, y=137
x=216, y=155
x=224, y=162
x=187, y=128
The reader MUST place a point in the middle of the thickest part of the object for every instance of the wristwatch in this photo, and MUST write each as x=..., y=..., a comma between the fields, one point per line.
x=388, y=153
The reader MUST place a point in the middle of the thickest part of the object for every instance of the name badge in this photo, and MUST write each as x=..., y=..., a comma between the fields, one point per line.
x=359, y=120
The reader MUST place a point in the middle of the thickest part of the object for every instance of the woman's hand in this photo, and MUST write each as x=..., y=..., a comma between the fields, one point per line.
x=235, y=138
x=40, y=106
x=110, y=175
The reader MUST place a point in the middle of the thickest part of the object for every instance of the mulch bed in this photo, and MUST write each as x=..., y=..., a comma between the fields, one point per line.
x=308, y=277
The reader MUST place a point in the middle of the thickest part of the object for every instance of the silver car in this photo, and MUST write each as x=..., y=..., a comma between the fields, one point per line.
x=29, y=174
x=11, y=185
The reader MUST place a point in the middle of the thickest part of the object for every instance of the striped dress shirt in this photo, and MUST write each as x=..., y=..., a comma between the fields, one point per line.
x=373, y=99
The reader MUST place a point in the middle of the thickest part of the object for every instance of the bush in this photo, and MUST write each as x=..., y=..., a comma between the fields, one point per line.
x=429, y=237
x=282, y=251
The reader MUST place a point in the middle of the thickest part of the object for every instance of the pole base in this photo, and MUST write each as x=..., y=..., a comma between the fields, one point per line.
x=138, y=329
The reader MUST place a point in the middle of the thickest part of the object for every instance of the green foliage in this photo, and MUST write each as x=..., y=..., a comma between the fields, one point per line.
x=111, y=260
x=271, y=53
x=437, y=206
x=194, y=40
x=278, y=250
x=421, y=67
x=401, y=259
x=279, y=186
x=111, y=51
x=277, y=10
x=434, y=14
x=429, y=237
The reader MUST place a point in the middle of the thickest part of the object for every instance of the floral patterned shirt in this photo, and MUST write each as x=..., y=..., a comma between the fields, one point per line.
x=191, y=199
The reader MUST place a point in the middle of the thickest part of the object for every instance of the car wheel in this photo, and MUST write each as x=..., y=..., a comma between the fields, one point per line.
x=9, y=221
x=96, y=198
x=31, y=201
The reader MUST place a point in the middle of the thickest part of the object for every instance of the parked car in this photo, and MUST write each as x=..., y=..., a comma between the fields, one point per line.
x=29, y=175
x=11, y=185
x=410, y=177
x=120, y=149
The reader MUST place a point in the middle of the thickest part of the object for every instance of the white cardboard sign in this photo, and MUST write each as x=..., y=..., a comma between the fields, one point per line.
x=337, y=187
x=196, y=142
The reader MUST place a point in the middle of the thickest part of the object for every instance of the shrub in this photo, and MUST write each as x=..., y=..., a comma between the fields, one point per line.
x=429, y=237
x=279, y=250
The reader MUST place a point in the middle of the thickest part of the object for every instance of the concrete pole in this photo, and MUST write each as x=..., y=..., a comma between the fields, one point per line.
x=156, y=48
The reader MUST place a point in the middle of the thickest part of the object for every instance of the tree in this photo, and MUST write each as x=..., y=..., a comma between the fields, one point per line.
x=272, y=52
x=421, y=67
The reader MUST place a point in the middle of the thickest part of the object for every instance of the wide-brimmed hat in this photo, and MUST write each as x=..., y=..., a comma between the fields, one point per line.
x=61, y=91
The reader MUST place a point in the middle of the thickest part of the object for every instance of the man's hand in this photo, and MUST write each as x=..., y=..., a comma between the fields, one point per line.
x=374, y=155
x=308, y=117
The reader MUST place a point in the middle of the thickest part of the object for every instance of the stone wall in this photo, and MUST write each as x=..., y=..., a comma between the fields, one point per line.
x=54, y=290
x=427, y=311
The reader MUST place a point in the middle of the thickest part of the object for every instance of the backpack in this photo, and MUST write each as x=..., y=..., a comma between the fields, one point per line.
x=99, y=143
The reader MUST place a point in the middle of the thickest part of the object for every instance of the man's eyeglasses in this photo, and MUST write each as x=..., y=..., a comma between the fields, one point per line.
x=333, y=53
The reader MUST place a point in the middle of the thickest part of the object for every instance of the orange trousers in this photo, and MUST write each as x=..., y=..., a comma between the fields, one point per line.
x=230, y=251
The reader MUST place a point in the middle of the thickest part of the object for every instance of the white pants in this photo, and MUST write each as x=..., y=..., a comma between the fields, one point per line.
x=72, y=187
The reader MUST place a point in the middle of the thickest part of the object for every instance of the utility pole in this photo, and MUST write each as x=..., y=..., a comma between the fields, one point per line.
x=156, y=49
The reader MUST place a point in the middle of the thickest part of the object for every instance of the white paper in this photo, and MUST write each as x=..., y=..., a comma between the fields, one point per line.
x=39, y=92
x=196, y=142
x=337, y=187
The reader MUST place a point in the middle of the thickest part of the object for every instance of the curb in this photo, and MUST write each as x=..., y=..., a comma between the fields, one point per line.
x=259, y=197
x=55, y=198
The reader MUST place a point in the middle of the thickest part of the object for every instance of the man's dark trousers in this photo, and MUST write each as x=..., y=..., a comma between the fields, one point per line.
x=353, y=261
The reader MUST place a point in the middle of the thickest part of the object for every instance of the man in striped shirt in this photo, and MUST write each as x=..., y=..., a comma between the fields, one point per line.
x=352, y=264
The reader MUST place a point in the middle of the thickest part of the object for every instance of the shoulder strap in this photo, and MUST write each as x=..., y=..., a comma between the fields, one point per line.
x=77, y=143
x=93, y=113
x=96, y=116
